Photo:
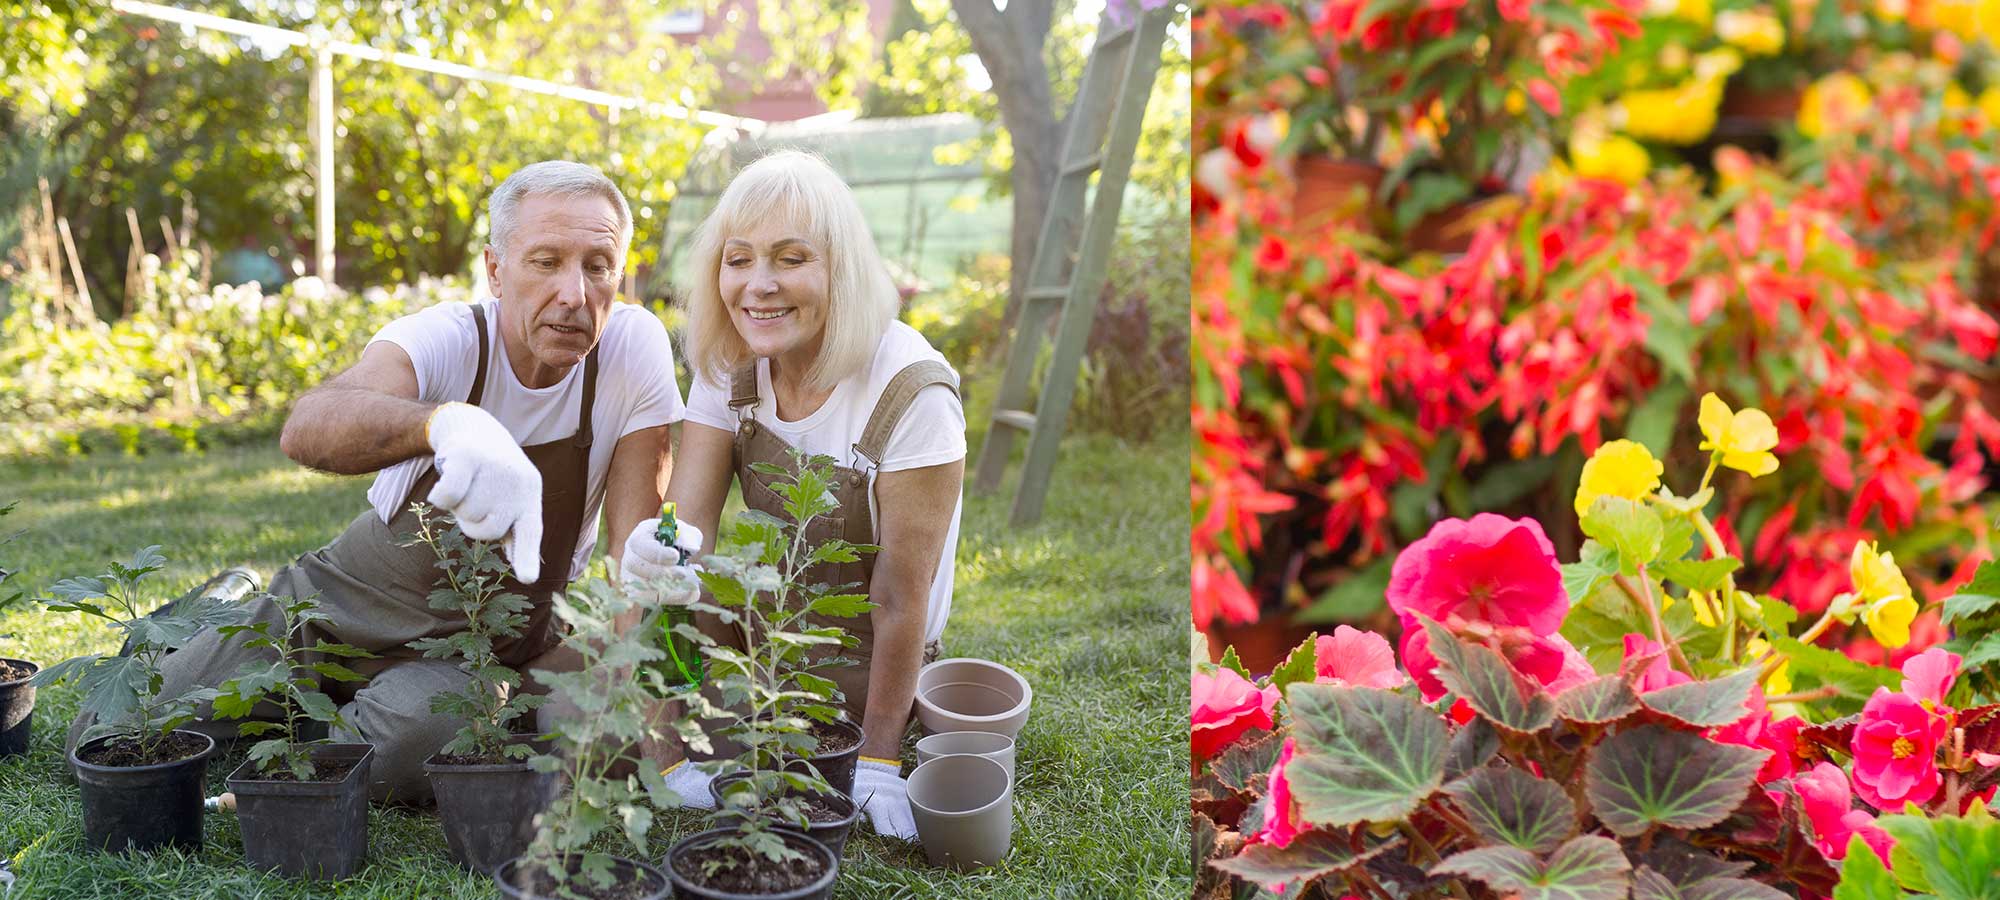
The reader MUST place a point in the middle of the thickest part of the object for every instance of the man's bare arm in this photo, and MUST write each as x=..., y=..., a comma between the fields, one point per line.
x=632, y=489
x=701, y=479
x=362, y=420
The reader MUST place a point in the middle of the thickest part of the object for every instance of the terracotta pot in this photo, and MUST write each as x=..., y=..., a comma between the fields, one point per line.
x=1450, y=230
x=1329, y=188
x=964, y=807
x=967, y=694
x=996, y=747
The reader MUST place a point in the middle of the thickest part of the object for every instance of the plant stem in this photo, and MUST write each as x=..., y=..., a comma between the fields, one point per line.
x=1713, y=540
x=1818, y=693
x=1642, y=594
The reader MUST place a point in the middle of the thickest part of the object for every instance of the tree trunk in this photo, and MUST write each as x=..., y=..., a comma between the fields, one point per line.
x=1009, y=44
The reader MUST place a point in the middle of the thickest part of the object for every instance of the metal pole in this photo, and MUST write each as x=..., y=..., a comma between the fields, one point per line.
x=322, y=101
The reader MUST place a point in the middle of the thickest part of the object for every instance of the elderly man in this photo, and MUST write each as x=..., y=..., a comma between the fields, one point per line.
x=522, y=415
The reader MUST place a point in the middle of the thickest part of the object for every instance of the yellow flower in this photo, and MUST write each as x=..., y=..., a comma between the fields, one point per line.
x=1881, y=585
x=1717, y=64
x=1836, y=103
x=1757, y=31
x=1618, y=469
x=1677, y=115
x=1989, y=105
x=1780, y=679
x=1745, y=438
x=1613, y=157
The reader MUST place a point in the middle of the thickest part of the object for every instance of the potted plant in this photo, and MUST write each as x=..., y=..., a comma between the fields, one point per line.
x=487, y=794
x=303, y=804
x=774, y=800
x=141, y=776
x=614, y=687
x=17, y=696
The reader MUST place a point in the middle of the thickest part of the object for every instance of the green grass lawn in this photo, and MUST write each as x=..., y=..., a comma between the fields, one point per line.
x=1089, y=605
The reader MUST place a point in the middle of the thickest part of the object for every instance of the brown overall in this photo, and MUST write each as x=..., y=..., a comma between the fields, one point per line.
x=755, y=444
x=377, y=593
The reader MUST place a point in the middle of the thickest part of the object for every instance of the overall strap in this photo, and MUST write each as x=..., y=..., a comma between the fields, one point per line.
x=896, y=399
x=743, y=386
x=479, y=374
x=583, y=432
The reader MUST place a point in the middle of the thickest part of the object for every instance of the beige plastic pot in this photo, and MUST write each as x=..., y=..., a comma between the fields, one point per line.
x=964, y=807
x=996, y=747
x=967, y=694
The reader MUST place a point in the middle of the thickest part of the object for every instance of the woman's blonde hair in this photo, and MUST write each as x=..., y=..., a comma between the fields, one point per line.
x=802, y=189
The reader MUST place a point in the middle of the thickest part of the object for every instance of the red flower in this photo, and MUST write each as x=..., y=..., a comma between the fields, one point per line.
x=1352, y=656
x=1224, y=706
x=1546, y=96
x=1274, y=256
x=1779, y=738
x=1217, y=592
x=1488, y=569
x=1895, y=751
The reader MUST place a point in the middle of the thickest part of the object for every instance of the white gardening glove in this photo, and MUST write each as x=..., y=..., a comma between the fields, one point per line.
x=880, y=789
x=691, y=784
x=646, y=559
x=488, y=483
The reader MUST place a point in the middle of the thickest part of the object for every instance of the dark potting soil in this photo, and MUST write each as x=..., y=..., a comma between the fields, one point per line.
x=124, y=752
x=327, y=772
x=751, y=874
x=539, y=884
x=469, y=759
x=820, y=813
x=832, y=739
x=11, y=672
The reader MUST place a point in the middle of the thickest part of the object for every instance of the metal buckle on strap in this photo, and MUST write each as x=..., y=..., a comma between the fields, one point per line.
x=873, y=463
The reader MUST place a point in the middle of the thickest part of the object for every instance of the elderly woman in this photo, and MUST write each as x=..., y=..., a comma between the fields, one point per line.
x=793, y=343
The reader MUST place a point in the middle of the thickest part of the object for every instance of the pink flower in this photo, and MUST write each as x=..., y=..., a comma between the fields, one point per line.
x=1927, y=677
x=1225, y=705
x=1650, y=659
x=1488, y=569
x=1359, y=658
x=1778, y=737
x=1417, y=657
x=1830, y=807
x=1895, y=750
x=1554, y=662
x=1281, y=820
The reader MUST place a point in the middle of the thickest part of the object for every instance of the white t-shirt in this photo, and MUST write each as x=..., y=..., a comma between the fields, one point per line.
x=635, y=390
x=931, y=432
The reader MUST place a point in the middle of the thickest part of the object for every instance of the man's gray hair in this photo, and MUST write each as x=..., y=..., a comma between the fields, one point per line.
x=556, y=177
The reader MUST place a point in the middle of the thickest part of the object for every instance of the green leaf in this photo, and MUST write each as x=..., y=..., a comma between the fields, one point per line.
x=1429, y=192
x=1863, y=876
x=338, y=672
x=1648, y=884
x=1232, y=662
x=317, y=707
x=1652, y=775
x=842, y=606
x=1488, y=683
x=1956, y=858
x=1600, y=700
x=1299, y=665
x=1355, y=597
x=1857, y=680
x=1985, y=651
x=1509, y=806
x=1582, y=577
x=331, y=649
x=1705, y=704
x=1471, y=746
x=1979, y=596
x=1363, y=754
x=1310, y=855
x=1628, y=527
x=1245, y=764
x=1699, y=575
x=1588, y=867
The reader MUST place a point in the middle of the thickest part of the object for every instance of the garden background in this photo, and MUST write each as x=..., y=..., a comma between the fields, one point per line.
x=160, y=308
x=1450, y=256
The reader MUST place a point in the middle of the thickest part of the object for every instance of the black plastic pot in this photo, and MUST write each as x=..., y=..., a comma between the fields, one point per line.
x=832, y=834
x=143, y=808
x=488, y=811
x=17, y=710
x=652, y=884
x=688, y=890
x=311, y=829
x=838, y=768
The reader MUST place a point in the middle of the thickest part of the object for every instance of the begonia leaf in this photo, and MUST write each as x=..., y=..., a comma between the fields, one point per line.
x=1586, y=868
x=1863, y=876
x=1488, y=683
x=1472, y=745
x=1956, y=858
x=1648, y=884
x=1600, y=700
x=1310, y=855
x=1705, y=704
x=1699, y=575
x=1363, y=754
x=1509, y=806
x=1627, y=526
x=1653, y=775
x=1979, y=596
x=1245, y=764
x=1299, y=665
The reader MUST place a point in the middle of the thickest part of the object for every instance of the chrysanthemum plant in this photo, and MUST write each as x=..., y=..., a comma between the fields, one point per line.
x=1598, y=729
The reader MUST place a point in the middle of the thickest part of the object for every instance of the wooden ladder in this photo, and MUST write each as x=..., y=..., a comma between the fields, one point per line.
x=1068, y=271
